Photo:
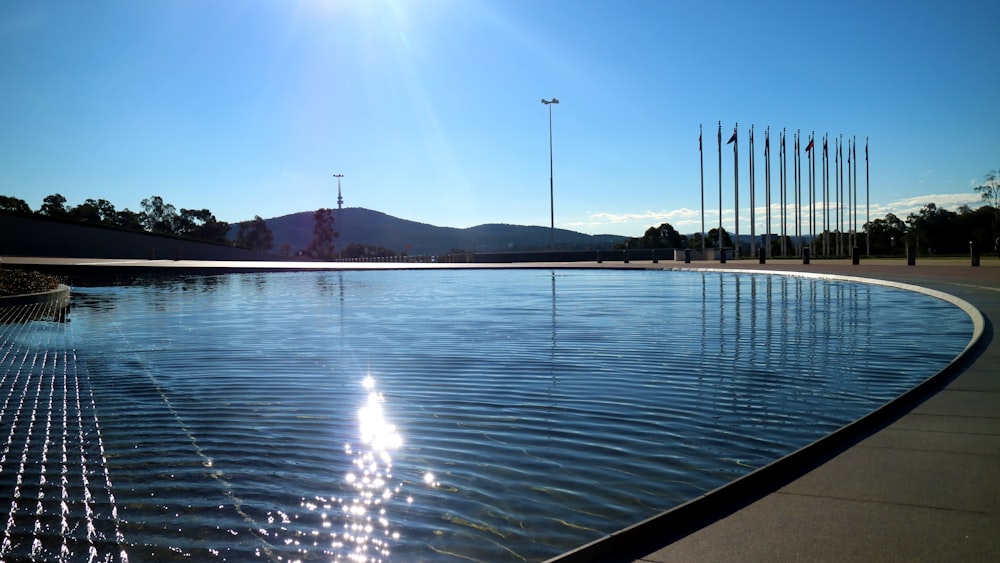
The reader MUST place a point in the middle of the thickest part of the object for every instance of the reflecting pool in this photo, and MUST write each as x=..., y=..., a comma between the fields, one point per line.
x=488, y=416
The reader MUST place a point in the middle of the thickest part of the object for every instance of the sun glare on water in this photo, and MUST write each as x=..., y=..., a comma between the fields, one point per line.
x=367, y=532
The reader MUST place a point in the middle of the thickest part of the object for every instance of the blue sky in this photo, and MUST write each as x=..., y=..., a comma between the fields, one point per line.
x=432, y=108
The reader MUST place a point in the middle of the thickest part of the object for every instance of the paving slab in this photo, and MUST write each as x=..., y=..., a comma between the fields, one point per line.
x=784, y=527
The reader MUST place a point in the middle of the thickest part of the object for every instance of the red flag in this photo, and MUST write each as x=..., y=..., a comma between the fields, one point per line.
x=809, y=146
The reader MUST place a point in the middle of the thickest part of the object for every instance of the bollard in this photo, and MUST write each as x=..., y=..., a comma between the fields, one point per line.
x=722, y=256
x=911, y=256
x=974, y=255
x=625, y=256
x=855, y=255
x=805, y=255
x=687, y=255
x=655, y=260
x=761, y=255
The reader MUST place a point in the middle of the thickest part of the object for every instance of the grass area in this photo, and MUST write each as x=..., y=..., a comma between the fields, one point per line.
x=20, y=282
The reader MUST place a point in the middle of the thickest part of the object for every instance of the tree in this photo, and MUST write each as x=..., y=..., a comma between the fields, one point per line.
x=53, y=206
x=106, y=210
x=935, y=229
x=128, y=219
x=713, y=238
x=664, y=236
x=86, y=212
x=323, y=235
x=94, y=211
x=160, y=217
x=979, y=226
x=255, y=235
x=201, y=224
x=8, y=203
x=888, y=235
x=990, y=189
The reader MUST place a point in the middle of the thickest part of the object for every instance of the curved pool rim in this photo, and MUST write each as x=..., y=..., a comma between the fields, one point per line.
x=671, y=525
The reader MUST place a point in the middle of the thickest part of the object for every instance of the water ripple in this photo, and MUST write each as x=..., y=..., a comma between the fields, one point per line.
x=535, y=410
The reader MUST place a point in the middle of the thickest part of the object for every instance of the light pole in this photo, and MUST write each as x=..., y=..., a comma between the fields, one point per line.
x=552, y=201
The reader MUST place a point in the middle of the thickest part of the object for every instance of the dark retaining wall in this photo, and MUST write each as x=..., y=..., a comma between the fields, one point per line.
x=36, y=236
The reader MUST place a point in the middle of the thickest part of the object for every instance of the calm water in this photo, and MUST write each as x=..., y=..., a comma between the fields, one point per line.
x=469, y=415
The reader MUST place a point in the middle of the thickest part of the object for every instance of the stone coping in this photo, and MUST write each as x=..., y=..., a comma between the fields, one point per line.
x=59, y=295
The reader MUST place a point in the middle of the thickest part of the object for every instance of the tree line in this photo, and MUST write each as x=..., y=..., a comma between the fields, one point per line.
x=162, y=218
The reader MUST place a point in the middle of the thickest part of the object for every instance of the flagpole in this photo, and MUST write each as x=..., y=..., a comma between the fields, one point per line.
x=810, y=192
x=736, y=189
x=868, y=210
x=840, y=195
x=855, y=149
x=783, y=178
x=836, y=189
x=701, y=158
x=812, y=189
x=719, y=234
x=753, y=202
x=767, y=188
x=826, y=197
x=798, y=189
x=850, y=202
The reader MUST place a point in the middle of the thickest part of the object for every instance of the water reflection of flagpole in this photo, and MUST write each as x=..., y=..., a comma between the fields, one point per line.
x=552, y=361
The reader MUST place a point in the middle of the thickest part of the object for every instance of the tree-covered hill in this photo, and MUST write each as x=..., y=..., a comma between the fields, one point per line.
x=358, y=225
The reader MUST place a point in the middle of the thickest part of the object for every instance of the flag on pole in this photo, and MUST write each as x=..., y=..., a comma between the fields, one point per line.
x=732, y=139
x=809, y=147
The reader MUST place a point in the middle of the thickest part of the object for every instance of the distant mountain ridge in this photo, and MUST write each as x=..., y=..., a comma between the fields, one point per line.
x=365, y=226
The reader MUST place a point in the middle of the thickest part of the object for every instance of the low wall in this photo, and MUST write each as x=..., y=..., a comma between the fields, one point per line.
x=22, y=235
x=59, y=296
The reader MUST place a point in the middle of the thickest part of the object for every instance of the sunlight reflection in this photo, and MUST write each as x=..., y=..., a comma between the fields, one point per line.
x=367, y=531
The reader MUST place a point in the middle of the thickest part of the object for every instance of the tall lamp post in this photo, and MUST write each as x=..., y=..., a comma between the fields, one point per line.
x=552, y=201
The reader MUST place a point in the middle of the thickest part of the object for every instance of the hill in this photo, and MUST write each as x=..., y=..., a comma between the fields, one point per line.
x=365, y=226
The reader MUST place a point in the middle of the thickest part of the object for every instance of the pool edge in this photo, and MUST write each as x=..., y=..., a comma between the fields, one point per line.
x=662, y=529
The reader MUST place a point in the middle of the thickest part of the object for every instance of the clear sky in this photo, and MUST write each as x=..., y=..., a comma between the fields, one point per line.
x=431, y=109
